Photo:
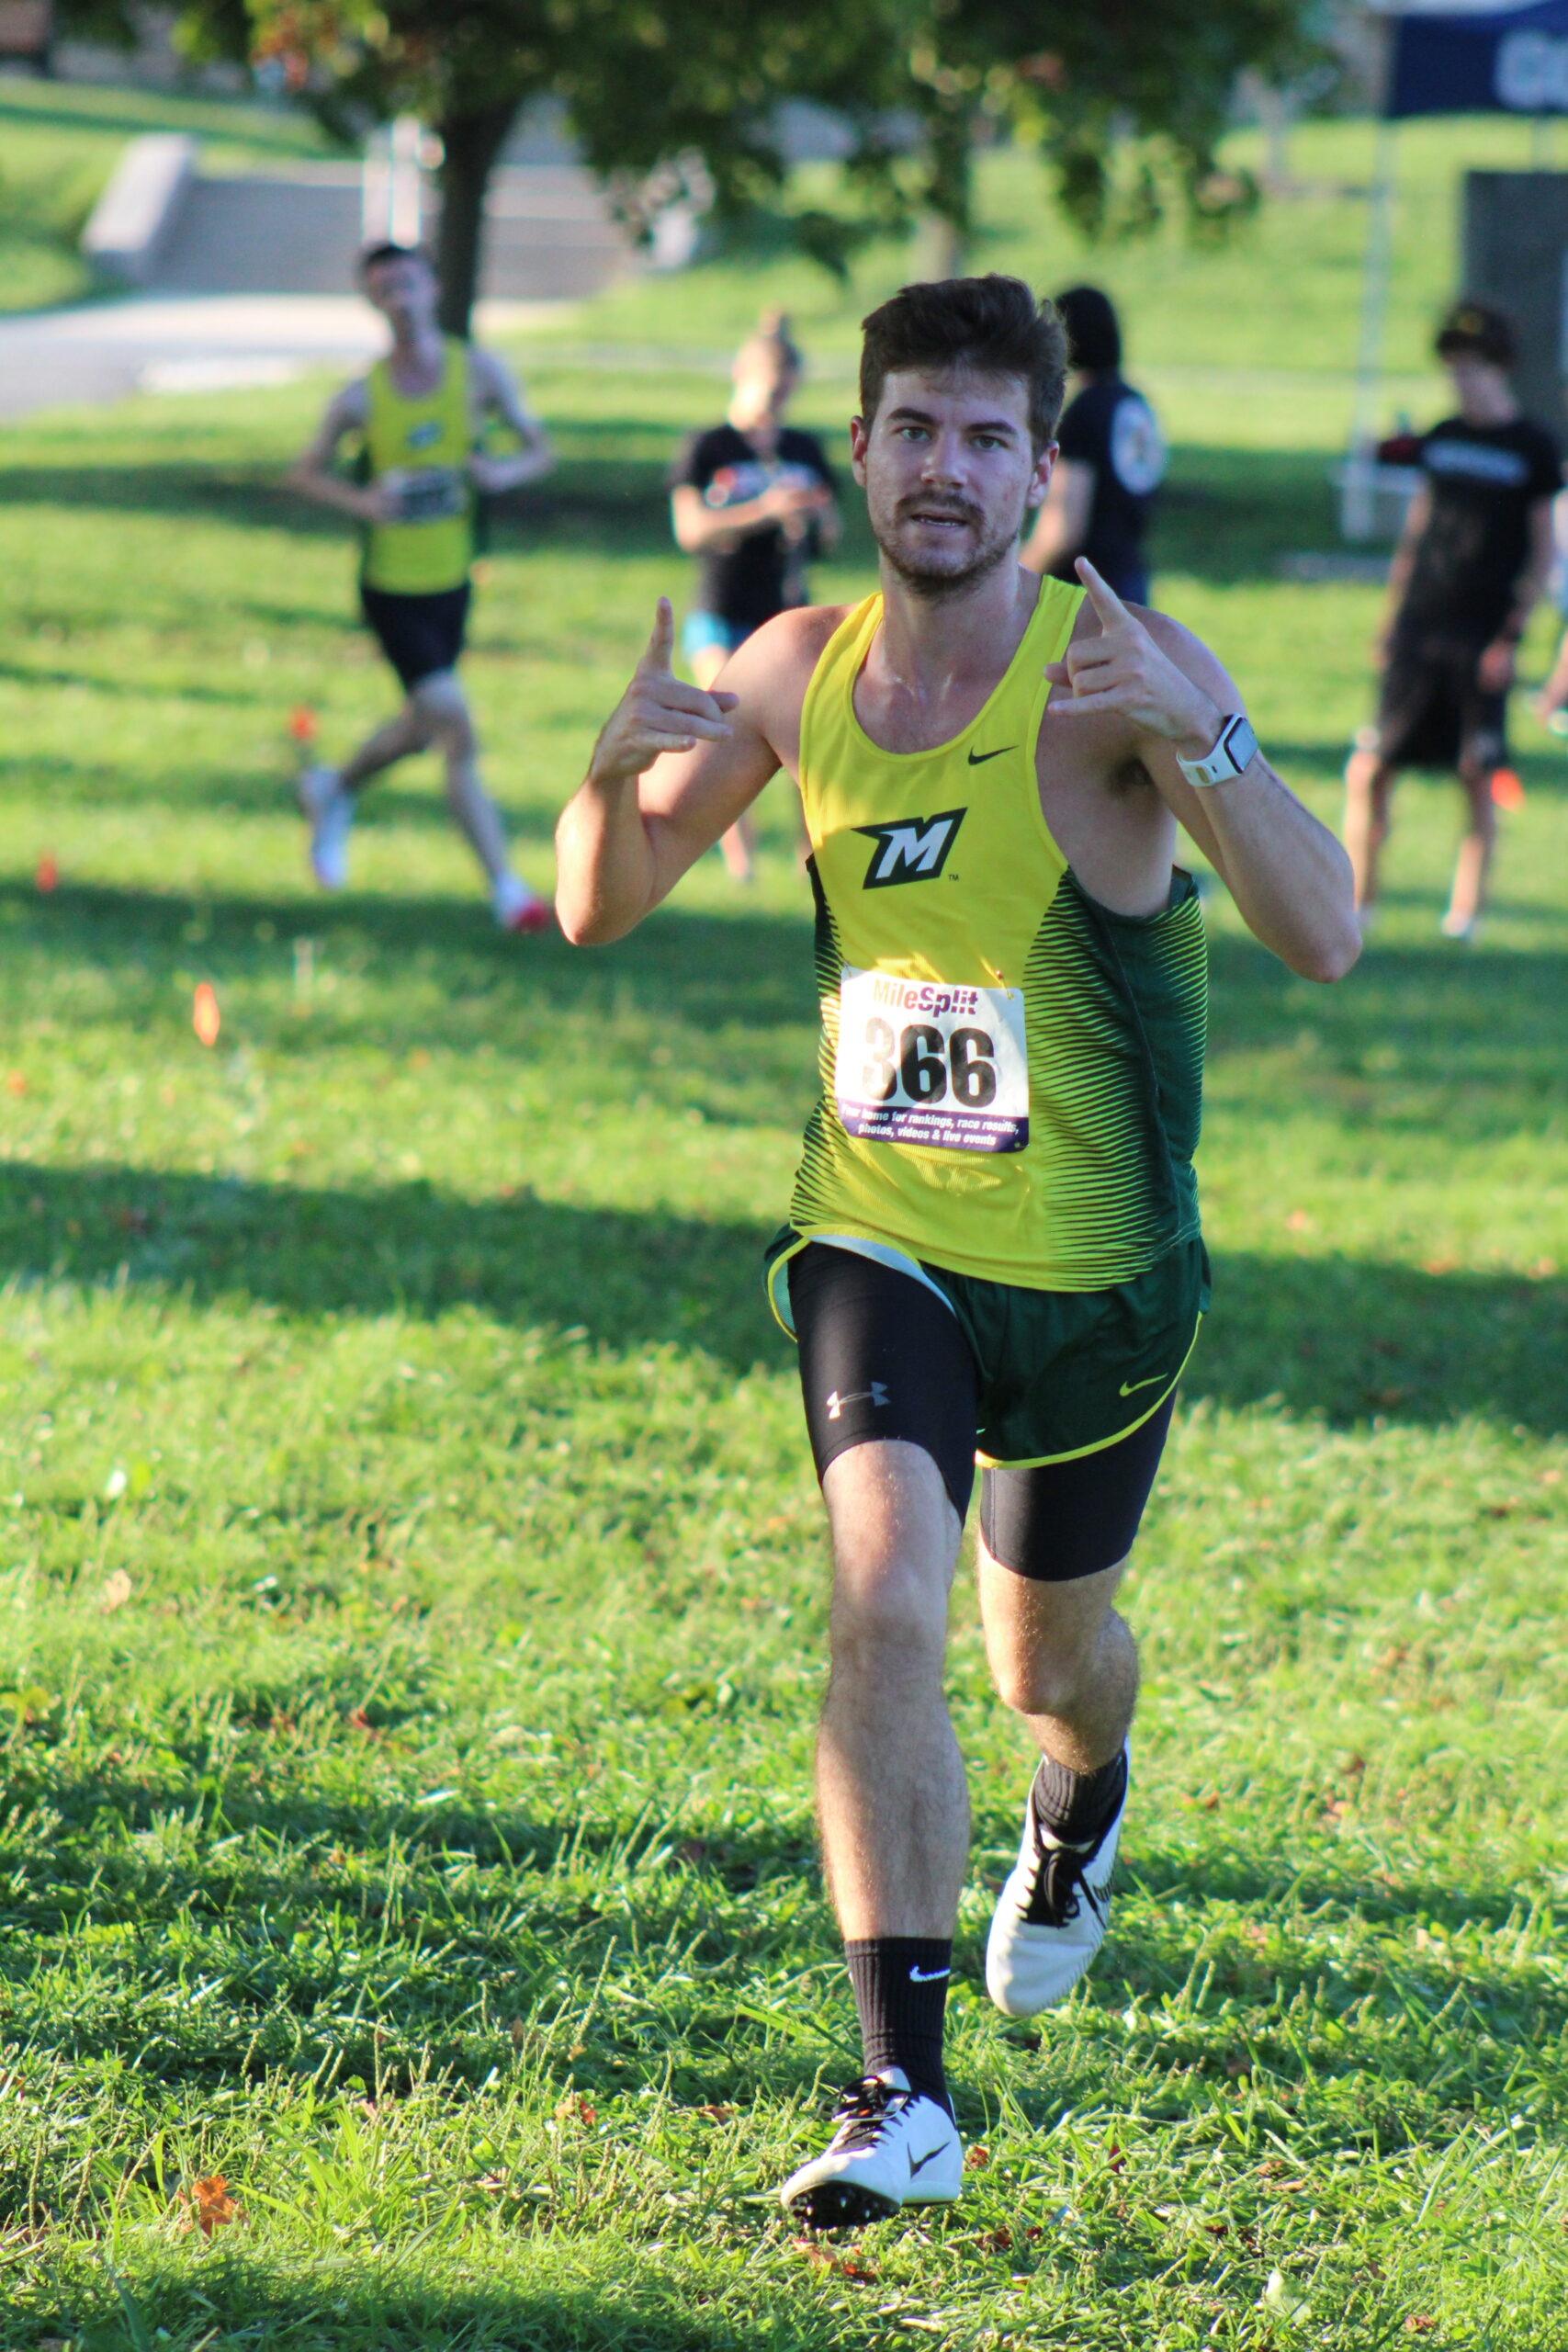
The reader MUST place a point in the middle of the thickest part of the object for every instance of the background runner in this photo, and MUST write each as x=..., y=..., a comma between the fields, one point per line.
x=420, y=417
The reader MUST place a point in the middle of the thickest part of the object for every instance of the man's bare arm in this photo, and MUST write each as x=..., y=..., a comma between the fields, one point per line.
x=1287, y=873
x=311, y=472
x=1417, y=515
x=1495, y=672
x=698, y=526
x=1062, y=524
x=503, y=396
x=672, y=770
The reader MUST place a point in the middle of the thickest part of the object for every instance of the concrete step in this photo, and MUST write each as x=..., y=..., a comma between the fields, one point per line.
x=548, y=236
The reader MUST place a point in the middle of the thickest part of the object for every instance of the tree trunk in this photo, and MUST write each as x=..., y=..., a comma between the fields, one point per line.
x=949, y=188
x=470, y=143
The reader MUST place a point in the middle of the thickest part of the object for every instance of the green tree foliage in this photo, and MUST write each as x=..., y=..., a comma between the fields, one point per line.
x=1125, y=100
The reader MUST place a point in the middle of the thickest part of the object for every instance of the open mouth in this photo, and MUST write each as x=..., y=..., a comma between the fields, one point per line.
x=942, y=522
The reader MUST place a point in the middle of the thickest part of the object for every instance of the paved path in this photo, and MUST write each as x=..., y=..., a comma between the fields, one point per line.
x=105, y=351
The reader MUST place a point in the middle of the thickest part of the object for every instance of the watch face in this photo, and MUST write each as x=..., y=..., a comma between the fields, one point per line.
x=1239, y=745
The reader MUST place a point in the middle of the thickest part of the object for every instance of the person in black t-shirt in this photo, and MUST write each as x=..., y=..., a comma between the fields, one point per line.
x=753, y=499
x=1110, y=460
x=1473, y=557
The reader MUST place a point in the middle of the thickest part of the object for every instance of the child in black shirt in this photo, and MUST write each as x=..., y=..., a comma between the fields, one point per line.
x=752, y=500
x=1472, y=560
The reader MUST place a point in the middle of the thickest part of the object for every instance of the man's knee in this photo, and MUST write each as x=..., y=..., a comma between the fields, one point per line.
x=1043, y=1682
x=887, y=1618
x=443, y=709
x=1367, y=782
x=1475, y=774
x=1044, y=1642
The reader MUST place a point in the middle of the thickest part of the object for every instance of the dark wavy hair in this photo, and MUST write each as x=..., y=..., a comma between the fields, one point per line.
x=979, y=326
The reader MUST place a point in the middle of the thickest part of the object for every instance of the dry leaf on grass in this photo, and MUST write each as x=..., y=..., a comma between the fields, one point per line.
x=208, y=2203
x=852, y=2266
x=115, y=1592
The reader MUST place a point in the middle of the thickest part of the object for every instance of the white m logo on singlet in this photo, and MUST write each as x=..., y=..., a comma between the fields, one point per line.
x=911, y=849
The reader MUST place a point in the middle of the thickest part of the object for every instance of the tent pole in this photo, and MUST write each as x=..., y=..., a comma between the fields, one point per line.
x=1355, y=507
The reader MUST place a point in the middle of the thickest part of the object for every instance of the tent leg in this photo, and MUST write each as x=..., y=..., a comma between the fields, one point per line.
x=1357, y=506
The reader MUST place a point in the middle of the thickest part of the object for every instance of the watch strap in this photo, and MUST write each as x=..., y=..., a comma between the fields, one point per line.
x=1235, y=749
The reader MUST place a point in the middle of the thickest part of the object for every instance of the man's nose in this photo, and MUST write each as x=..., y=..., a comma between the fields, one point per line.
x=945, y=459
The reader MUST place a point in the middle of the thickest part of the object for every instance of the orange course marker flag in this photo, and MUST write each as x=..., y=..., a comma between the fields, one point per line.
x=48, y=875
x=302, y=724
x=1507, y=789
x=204, y=1017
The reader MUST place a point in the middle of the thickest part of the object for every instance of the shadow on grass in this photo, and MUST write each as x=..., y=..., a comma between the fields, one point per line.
x=1225, y=517
x=1346, y=1340
x=406, y=1249
x=311, y=1963
x=615, y=2302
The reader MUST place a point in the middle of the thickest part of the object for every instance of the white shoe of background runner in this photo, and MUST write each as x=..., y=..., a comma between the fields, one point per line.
x=1050, y=1916
x=519, y=908
x=892, y=2147
x=331, y=812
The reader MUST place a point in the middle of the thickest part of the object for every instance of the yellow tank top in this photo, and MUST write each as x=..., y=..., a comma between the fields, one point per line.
x=1010, y=1072
x=422, y=446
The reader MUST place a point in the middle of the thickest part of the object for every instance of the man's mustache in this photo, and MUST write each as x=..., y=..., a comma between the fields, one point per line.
x=939, y=511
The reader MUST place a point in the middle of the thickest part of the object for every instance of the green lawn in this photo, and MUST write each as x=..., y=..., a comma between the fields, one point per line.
x=411, y=1588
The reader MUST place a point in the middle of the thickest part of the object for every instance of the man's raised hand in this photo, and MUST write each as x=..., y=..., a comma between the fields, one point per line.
x=657, y=713
x=1122, y=669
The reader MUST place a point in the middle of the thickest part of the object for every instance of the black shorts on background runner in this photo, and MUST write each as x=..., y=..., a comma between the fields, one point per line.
x=1433, y=714
x=883, y=1355
x=419, y=635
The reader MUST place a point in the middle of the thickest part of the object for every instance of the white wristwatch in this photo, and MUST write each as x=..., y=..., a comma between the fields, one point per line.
x=1236, y=749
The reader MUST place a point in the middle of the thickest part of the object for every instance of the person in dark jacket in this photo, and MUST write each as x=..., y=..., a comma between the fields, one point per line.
x=1111, y=460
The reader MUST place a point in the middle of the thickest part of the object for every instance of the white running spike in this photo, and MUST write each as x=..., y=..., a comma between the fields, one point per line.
x=891, y=2147
x=1050, y=1916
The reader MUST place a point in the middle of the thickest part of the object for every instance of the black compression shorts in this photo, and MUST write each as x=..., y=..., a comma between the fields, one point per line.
x=419, y=635
x=884, y=1356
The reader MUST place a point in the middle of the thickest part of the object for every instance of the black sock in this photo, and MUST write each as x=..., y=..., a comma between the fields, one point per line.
x=1076, y=1807
x=900, y=1992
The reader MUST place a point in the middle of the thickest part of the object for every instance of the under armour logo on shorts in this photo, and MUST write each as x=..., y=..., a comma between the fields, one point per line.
x=876, y=1396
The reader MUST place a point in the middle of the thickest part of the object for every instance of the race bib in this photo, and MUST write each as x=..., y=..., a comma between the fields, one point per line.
x=428, y=493
x=924, y=1063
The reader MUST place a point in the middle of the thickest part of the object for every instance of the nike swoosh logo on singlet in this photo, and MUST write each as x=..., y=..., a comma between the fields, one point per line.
x=978, y=759
x=1129, y=1385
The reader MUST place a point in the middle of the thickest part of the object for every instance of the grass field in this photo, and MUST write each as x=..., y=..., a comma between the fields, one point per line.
x=411, y=1583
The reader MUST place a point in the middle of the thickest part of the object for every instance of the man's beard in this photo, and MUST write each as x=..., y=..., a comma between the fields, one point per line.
x=930, y=579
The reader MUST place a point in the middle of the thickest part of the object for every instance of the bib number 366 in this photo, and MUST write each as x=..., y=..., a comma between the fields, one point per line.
x=921, y=1062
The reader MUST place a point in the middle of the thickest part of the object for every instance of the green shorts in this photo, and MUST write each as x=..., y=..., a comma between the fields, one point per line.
x=1059, y=1373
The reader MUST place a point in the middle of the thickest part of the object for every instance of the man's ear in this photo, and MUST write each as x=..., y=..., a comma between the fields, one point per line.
x=1040, y=481
x=860, y=438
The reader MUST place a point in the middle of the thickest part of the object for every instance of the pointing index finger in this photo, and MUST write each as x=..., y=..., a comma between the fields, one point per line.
x=1102, y=594
x=661, y=644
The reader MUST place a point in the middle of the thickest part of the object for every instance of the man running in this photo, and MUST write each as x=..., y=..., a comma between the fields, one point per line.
x=993, y=1241
x=419, y=415
x=1472, y=561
